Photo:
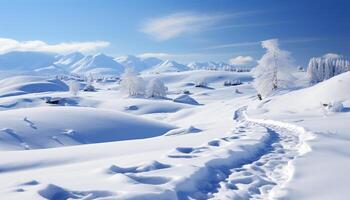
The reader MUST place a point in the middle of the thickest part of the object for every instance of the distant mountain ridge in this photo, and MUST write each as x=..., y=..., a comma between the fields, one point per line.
x=168, y=66
x=139, y=64
x=98, y=64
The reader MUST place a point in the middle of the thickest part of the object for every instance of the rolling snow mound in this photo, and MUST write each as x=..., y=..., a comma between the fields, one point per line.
x=18, y=85
x=46, y=127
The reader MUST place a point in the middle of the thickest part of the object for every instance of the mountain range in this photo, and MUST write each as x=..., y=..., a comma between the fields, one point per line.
x=98, y=64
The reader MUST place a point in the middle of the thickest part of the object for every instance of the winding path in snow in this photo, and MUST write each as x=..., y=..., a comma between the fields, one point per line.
x=265, y=177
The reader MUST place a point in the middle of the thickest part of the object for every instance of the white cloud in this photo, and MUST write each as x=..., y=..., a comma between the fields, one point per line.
x=240, y=44
x=174, y=25
x=187, y=57
x=7, y=45
x=241, y=60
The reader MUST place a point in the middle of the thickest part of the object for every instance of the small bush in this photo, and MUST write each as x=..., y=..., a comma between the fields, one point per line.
x=232, y=83
x=336, y=106
x=202, y=84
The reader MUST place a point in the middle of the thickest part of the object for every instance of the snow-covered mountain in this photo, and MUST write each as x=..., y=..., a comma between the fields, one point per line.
x=169, y=66
x=26, y=60
x=137, y=63
x=52, y=64
x=100, y=64
x=151, y=61
x=97, y=64
x=68, y=60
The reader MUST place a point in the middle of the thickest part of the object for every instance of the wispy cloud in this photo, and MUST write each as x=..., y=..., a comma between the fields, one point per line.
x=241, y=60
x=174, y=25
x=187, y=57
x=257, y=43
x=238, y=44
x=248, y=25
x=7, y=45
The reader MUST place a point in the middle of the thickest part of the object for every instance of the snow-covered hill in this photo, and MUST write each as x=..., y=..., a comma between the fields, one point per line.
x=19, y=85
x=311, y=99
x=36, y=128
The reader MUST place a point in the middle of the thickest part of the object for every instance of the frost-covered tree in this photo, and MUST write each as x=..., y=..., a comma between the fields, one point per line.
x=74, y=87
x=132, y=84
x=156, y=88
x=273, y=70
x=325, y=67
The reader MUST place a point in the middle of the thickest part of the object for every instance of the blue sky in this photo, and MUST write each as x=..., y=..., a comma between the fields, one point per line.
x=183, y=30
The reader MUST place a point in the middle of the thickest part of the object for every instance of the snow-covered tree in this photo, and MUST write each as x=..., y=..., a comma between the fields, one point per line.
x=74, y=87
x=132, y=84
x=201, y=83
x=325, y=67
x=156, y=88
x=273, y=70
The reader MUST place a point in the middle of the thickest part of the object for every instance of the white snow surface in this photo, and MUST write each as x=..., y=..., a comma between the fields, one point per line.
x=104, y=145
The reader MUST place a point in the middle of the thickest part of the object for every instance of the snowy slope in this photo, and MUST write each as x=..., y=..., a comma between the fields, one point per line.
x=97, y=64
x=311, y=99
x=324, y=168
